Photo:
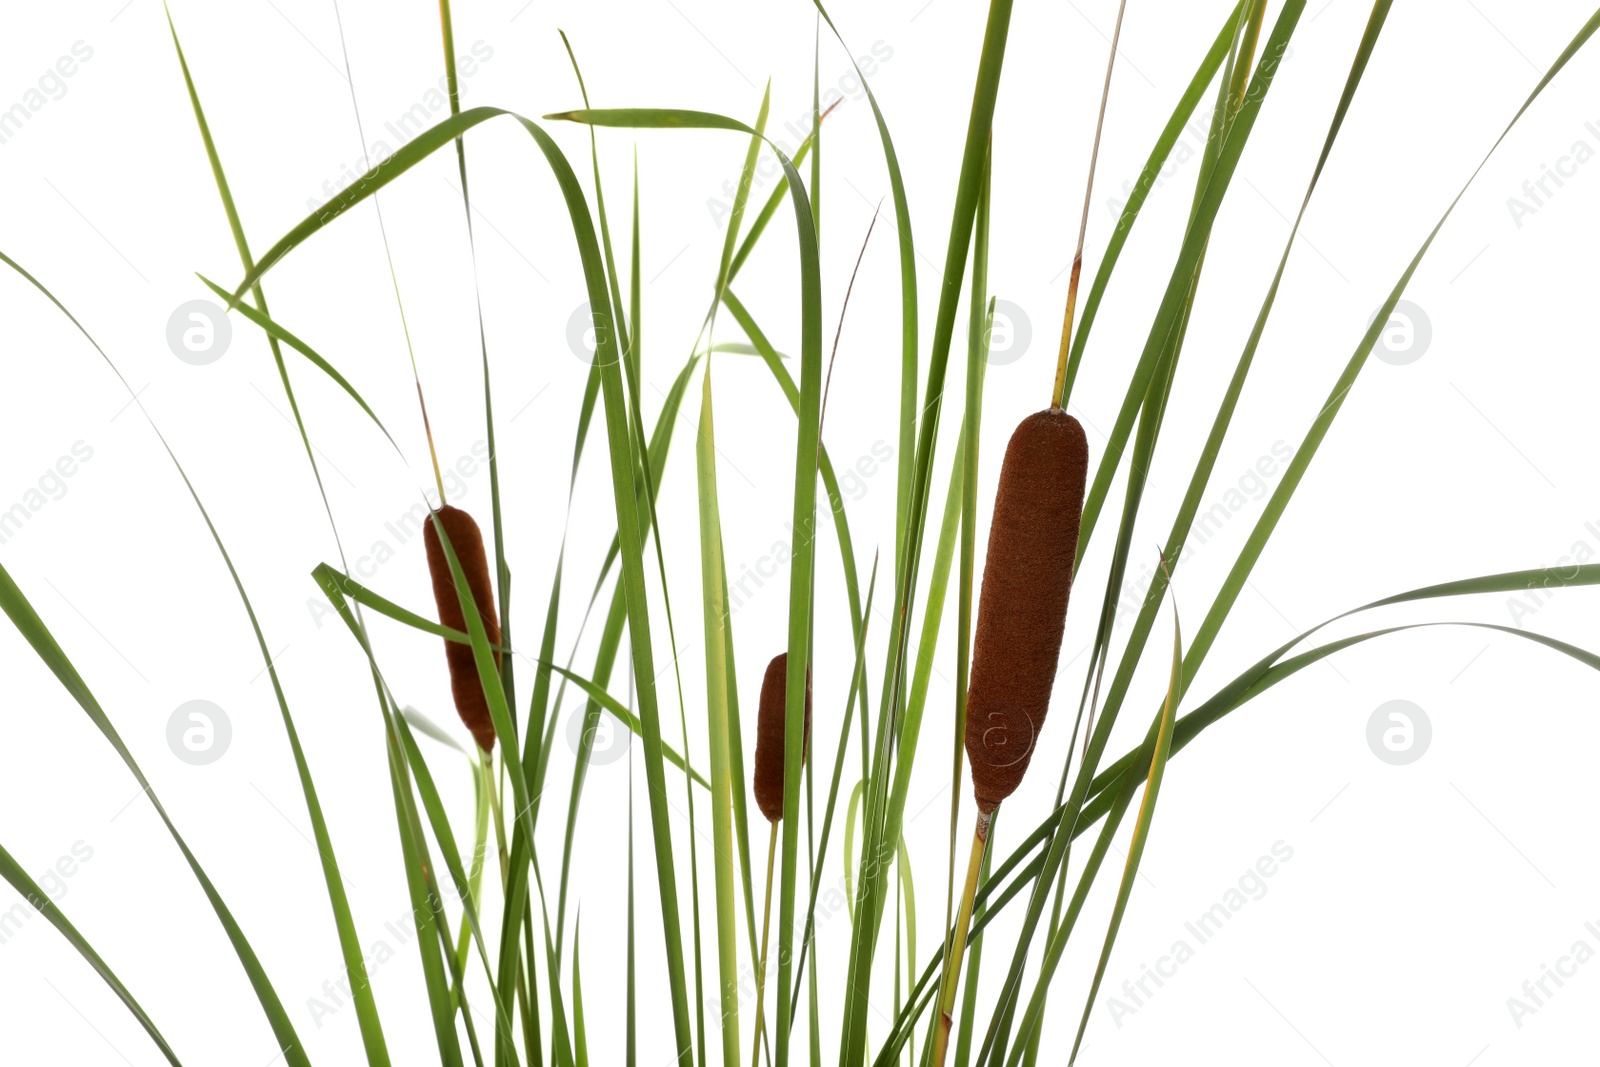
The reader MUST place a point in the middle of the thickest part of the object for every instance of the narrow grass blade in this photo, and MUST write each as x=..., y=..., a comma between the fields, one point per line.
x=338, y=585
x=30, y=890
x=851, y=808
x=32, y=627
x=276, y=333
x=439, y=822
x=908, y=304
x=580, y=1033
x=1301, y=460
x=1141, y=833
x=423, y=905
x=715, y=615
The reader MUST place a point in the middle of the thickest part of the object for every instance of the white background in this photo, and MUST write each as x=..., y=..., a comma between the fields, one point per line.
x=1418, y=899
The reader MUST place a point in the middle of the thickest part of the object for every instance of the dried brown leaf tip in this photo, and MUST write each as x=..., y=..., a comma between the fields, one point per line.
x=769, y=736
x=465, y=685
x=1022, y=610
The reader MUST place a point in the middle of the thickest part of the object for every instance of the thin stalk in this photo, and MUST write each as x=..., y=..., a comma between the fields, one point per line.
x=952, y=971
x=1060, y=385
x=394, y=279
x=497, y=811
x=761, y=965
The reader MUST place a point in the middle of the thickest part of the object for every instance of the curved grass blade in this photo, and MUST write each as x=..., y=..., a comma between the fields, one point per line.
x=338, y=585
x=1113, y=788
x=350, y=948
x=1279, y=500
x=908, y=895
x=1272, y=665
x=1141, y=833
x=24, y=884
x=908, y=303
x=1303, y=456
x=427, y=910
x=439, y=821
x=580, y=1037
x=1182, y=524
x=852, y=806
x=32, y=627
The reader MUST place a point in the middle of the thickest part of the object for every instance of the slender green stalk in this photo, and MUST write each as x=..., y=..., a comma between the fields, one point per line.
x=1059, y=388
x=761, y=963
x=952, y=970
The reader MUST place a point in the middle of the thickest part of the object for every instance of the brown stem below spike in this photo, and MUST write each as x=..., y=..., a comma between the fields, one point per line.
x=952, y=967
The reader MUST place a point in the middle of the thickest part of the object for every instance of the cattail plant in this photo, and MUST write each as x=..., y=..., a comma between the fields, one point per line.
x=1022, y=613
x=466, y=541
x=1022, y=610
x=768, y=788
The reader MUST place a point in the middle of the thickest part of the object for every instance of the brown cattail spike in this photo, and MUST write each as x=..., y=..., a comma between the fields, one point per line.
x=769, y=736
x=467, y=541
x=1022, y=610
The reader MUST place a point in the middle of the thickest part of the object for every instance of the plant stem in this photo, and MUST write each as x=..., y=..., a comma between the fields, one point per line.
x=761, y=966
x=1056, y=398
x=487, y=763
x=952, y=965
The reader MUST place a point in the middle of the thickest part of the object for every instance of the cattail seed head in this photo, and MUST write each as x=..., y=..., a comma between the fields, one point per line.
x=769, y=736
x=1022, y=610
x=465, y=685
